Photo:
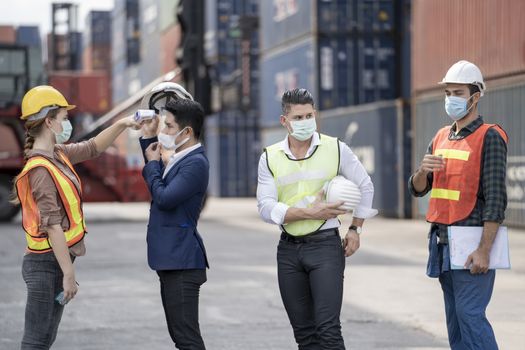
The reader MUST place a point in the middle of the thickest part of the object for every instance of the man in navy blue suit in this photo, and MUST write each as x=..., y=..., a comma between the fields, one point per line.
x=177, y=186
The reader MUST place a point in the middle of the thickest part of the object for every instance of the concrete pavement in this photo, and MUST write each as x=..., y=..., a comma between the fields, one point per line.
x=389, y=302
x=395, y=286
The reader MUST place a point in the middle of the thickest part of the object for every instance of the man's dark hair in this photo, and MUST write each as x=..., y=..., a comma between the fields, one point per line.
x=473, y=89
x=296, y=97
x=187, y=113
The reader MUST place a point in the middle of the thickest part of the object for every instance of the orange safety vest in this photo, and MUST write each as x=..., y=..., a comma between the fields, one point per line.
x=38, y=242
x=455, y=188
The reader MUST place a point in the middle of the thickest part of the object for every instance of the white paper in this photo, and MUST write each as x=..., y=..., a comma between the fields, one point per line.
x=463, y=240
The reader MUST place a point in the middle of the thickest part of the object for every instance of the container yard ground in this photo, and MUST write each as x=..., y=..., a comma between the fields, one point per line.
x=389, y=302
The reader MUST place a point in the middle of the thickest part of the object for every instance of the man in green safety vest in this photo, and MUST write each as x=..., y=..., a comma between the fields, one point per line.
x=310, y=255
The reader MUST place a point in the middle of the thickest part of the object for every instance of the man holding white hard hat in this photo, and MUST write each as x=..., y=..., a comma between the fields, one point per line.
x=310, y=256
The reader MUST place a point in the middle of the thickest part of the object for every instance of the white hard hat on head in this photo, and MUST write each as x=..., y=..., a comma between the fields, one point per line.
x=341, y=189
x=465, y=72
x=160, y=94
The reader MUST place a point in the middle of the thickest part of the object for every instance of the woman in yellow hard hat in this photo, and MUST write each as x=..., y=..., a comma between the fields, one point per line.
x=50, y=193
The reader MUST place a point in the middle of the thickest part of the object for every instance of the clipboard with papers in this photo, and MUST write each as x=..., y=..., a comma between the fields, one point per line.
x=463, y=240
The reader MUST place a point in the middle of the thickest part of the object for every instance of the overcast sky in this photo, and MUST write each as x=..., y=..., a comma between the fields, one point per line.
x=38, y=12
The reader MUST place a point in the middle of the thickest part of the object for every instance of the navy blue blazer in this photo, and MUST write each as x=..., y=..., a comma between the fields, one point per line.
x=173, y=240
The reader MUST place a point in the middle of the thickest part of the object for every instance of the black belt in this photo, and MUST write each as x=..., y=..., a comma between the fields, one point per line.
x=317, y=236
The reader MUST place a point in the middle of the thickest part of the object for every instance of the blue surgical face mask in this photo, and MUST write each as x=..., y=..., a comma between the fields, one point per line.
x=456, y=107
x=302, y=130
x=64, y=136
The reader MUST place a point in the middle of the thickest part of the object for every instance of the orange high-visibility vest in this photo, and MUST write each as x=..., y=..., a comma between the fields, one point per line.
x=455, y=188
x=38, y=242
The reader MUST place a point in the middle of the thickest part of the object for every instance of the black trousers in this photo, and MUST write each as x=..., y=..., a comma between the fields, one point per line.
x=179, y=290
x=311, y=284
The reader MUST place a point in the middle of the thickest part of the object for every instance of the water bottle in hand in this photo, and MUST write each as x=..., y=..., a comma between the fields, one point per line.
x=60, y=299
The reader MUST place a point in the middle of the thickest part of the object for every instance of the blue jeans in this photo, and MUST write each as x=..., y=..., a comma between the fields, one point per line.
x=43, y=278
x=466, y=299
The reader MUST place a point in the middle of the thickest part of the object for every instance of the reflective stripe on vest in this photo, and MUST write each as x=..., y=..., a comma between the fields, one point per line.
x=299, y=180
x=37, y=241
x=455, y=188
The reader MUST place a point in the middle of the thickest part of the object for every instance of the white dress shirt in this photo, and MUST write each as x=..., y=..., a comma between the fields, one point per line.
x=273, y=211
x=178, y=156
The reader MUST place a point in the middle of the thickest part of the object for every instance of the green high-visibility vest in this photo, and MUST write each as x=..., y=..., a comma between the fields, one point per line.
x=299, y=180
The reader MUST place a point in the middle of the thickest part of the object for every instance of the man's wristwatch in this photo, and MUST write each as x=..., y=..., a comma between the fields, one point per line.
x=357, y=229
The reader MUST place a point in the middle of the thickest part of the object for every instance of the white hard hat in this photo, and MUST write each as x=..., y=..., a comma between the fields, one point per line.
x=160, y=94
x=341, y=189
x=465, y=72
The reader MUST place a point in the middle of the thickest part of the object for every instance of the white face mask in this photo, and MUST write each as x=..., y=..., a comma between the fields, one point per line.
x=302, y=130
x=168, y=141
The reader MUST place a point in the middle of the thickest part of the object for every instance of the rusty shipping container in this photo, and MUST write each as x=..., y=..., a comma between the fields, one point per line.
x=96, y=57
x=87, y=59
x=490, y=33
x=7, y=35
x=90, y=92
x=169, y=42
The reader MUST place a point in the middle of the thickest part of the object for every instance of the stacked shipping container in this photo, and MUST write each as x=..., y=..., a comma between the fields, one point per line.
x=90, y=92
x=347, y=53
x=233, y=149
x=232, y=134
x=492, y=36
x=350, y=48
x=13, y=66
x=97, y=41
x=7, y=34
x=145, y=36
x=69, y=49
x=358, y=40
x=29, y=36
x=374, y=133
x=88, y=88
x=13, y=63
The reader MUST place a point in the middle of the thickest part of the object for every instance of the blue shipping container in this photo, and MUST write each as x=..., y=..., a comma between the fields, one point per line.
x=284, y=20
x=232, y=141
x=377, y=66
x=210, y=29
x=337, y=72
x=100, y=27
x=285, y=71
x=28, y=36
x=375, y=15
x=228, y=36
x=356, y=70
x=344, y=16
x=372, y=132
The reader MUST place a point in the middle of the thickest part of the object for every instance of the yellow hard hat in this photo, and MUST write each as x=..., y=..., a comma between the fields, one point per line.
x=40, y=97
